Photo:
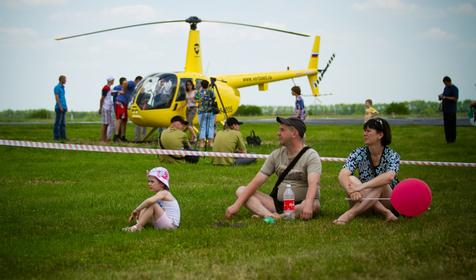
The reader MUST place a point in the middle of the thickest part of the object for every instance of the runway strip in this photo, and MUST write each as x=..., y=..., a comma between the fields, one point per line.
x=148, y=151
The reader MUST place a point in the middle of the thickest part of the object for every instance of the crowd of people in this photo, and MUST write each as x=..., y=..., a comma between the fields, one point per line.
x=368, y=174
x=113, y=109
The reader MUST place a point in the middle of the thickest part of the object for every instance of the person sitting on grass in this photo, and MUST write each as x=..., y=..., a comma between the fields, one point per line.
x=230, y=140
x=378, y=166
x=174, y=138
x=304, y=177
x=161, y=210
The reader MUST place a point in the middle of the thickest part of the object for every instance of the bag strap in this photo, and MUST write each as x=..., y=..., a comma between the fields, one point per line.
x=274, y=192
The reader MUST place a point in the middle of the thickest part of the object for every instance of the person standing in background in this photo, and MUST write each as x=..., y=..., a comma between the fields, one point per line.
x=59, y=129
x=116, y=92
x=106, y=110
x=370, y=111
x=299, y=110
x=139, y=131
x=206, y=119
x=449, y=100
x=191, y=110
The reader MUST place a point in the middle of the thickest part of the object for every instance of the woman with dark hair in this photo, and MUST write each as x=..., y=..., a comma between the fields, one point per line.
x=191, y=111
x=377, y=166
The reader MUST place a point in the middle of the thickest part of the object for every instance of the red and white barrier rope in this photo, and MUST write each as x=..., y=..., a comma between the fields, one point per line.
x=134, y=150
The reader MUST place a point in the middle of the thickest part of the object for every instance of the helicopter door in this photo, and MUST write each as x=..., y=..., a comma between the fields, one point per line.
x=181, y=95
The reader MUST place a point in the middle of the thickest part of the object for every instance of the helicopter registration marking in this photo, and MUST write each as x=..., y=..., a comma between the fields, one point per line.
x=257, y=78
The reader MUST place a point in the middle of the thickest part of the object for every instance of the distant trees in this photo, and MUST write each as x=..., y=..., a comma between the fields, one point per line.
x=249, y=110
x=416, y=108
x=395, y=108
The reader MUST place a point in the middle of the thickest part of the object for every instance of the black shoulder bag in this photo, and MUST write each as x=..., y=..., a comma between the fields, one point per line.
x=274, y=193
x=253, y=140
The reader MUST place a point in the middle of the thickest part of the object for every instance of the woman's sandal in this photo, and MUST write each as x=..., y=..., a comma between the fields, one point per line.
x=133, y=228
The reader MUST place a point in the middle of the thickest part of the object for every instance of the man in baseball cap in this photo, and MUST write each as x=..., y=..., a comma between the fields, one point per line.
x=304, y=177
x=174, y=138
x=293, y=122
x=230, y=140
x=179, y=119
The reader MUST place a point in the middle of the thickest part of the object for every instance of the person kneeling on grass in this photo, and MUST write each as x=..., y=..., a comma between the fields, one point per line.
x=162, y=209
x=378, y=166
x=304, y=177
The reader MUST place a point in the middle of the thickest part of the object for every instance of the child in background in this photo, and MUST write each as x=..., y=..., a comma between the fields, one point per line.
x=162, y=209
x=370, y=111
x=299, y=109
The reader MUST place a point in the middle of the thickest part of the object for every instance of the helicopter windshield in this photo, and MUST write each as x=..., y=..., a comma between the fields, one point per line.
x=157, y=91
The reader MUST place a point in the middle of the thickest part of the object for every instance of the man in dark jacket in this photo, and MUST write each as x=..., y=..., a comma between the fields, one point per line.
x=449, y=100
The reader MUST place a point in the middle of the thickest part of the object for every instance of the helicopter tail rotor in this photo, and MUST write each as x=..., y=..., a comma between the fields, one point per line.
x=325, y=69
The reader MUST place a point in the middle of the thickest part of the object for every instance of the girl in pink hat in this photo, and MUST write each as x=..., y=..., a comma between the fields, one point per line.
x=162, y=209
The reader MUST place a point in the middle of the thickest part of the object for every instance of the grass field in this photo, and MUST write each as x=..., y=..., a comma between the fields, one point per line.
x=62, y=211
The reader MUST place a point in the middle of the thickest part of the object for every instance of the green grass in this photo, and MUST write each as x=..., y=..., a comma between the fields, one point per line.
x=62, y=211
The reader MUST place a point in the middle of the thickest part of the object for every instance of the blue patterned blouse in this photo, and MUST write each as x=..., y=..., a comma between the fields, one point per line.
x=359, y=159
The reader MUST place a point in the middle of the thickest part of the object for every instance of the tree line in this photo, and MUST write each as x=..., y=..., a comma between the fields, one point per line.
x=416, y=107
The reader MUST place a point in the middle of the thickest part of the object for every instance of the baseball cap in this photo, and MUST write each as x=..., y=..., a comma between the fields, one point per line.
x=294, y=122
x=110, y=78
x=160, y=174
x=178, y=119
x=231, y=121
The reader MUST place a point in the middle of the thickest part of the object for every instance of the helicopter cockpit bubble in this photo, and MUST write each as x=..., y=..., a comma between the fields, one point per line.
x=157, y=91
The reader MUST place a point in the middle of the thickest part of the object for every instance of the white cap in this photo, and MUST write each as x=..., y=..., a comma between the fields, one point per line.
x=110, y=78
x=161, y=174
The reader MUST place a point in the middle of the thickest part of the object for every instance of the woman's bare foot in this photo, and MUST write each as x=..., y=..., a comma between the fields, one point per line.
x=339, y=222
x=344, y=218
x=390, y=217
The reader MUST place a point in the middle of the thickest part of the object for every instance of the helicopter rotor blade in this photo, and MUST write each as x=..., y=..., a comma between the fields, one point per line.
x=117, y=28
x=192, y=20
x=257, y=26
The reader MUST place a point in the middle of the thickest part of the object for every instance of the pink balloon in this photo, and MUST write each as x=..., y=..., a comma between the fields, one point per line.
x=411, y=197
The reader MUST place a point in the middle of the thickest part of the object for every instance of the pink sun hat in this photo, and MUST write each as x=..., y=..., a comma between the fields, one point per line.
x=161, y=174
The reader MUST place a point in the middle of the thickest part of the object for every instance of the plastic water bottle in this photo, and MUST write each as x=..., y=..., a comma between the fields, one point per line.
x=288, y=199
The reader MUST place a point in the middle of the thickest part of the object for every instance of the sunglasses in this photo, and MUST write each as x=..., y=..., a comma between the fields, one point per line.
x=375, y=122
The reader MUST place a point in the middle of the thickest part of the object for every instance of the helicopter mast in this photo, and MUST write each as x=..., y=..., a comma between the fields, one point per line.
x=193, y=61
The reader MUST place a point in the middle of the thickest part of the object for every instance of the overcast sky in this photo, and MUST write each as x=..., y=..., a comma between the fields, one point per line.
x=387, y=50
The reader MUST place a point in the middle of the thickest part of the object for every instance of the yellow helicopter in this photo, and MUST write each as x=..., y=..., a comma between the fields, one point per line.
x=160, y=96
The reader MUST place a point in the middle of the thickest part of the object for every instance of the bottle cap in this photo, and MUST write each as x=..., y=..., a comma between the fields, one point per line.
x=269, y=220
